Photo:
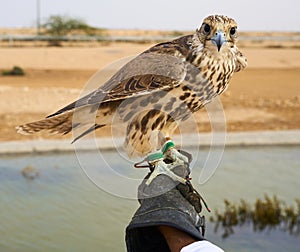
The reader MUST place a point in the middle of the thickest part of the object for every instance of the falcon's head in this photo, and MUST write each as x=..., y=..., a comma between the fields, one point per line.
x=219, y=32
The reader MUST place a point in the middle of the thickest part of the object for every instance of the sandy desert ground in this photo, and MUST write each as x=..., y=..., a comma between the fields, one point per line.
x=266, y=96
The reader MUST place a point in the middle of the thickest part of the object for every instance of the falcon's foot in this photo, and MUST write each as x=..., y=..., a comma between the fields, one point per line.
x=171, y=153
x=156, y=160
x=160, y=167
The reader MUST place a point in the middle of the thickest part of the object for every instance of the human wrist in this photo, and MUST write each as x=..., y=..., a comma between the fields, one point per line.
x=175, y=238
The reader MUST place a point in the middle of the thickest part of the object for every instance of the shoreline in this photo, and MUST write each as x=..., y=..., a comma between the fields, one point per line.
x=233, y=139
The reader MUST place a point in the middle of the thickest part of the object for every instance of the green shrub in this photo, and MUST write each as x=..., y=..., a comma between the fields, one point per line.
x=15, y=71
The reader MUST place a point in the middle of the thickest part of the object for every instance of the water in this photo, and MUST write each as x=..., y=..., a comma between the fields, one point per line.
x=62, y=210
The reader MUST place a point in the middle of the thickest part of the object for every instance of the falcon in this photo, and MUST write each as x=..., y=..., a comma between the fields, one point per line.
x=156, y=90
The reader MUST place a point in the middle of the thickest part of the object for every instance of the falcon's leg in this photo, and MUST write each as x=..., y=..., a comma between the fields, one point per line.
x=160, y=167
x=170, y=152
x=156, y=160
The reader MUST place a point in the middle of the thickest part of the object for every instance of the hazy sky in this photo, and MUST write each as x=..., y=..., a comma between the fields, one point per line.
x=261, y=15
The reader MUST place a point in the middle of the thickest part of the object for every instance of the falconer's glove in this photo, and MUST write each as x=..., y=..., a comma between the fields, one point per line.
x=165, y=200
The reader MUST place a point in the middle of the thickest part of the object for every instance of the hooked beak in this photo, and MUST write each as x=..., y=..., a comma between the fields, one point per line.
x=219, y=39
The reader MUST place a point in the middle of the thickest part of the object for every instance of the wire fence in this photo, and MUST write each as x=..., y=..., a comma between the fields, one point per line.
x=12, y=40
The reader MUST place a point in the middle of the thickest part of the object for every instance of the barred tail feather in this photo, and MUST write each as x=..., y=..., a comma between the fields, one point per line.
x=83, y=120
x=59, y=124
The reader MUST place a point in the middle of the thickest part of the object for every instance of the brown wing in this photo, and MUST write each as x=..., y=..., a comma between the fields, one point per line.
x=149, y=72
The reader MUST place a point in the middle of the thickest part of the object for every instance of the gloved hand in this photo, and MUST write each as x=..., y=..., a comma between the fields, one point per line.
x=165, y=202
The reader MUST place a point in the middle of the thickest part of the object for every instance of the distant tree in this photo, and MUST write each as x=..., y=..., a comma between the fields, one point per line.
x=63, y=25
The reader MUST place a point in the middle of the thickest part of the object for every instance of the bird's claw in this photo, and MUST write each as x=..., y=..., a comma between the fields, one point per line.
x=159, y=166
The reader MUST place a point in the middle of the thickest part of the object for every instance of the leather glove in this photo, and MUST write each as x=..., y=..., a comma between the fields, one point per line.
x=167, y=202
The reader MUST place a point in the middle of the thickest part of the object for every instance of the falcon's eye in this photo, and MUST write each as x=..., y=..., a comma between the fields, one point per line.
x=206, y=29
x=232, y=31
